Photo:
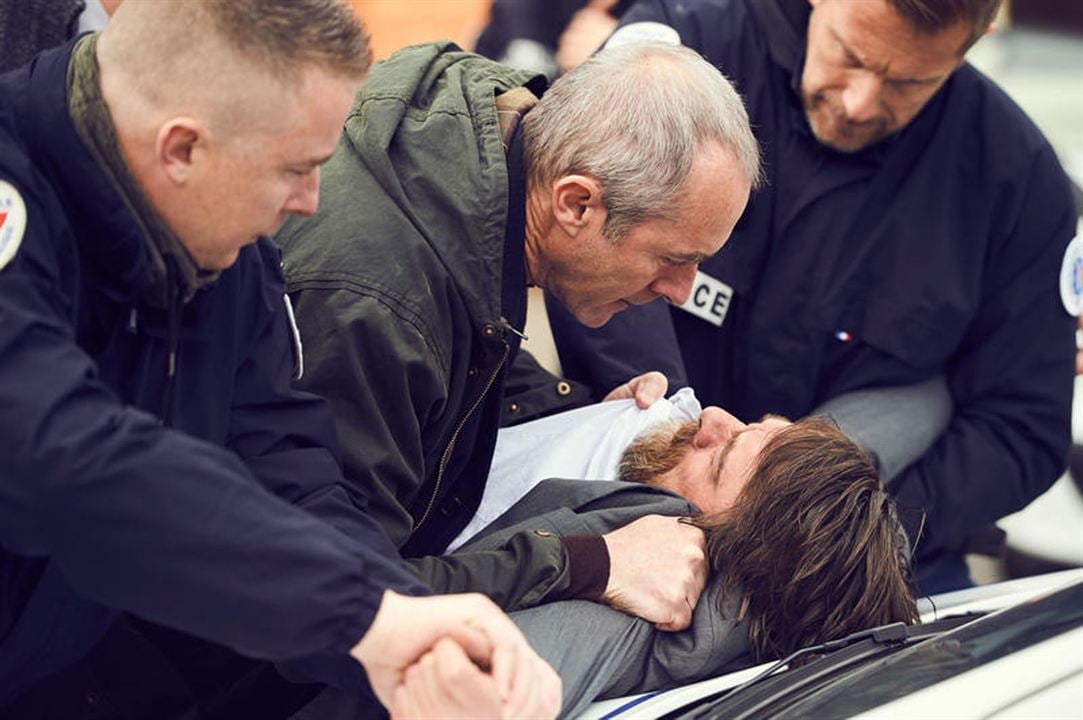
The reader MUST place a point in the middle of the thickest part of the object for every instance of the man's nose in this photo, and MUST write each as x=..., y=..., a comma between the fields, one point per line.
x=716, y=426
x=861, y=98
x=675, y=284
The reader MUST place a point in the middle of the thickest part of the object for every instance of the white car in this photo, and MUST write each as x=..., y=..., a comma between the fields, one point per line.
x=1007, y=650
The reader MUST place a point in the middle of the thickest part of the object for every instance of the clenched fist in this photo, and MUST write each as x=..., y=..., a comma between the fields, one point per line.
x=657, y=570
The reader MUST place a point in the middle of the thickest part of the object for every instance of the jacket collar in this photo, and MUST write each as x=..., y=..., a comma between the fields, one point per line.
x=784, y=24
x=92, y=122
x=105, y=230
x=102, y=220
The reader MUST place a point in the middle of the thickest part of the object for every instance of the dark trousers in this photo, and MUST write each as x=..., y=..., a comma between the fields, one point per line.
x=139, y=671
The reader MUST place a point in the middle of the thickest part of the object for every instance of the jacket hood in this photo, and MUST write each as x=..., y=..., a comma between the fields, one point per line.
x=425, y=127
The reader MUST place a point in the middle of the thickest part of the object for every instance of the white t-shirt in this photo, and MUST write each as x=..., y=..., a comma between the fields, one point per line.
x=586, y=444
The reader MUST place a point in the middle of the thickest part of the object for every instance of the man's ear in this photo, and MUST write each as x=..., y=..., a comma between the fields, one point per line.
x=175, y=148
x=577, y=203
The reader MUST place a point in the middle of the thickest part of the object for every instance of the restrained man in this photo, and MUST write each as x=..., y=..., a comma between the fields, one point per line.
x=803, y=540
x=439, y=208
x=156, y=460
x=912, y=227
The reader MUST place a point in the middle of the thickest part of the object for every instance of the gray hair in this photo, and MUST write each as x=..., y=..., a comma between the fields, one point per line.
x=633, y=117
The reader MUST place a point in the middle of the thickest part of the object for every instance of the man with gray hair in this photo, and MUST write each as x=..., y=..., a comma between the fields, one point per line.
x=452, y=190
x=161, y=479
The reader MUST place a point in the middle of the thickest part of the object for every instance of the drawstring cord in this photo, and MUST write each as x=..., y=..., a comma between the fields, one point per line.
x=173, y=300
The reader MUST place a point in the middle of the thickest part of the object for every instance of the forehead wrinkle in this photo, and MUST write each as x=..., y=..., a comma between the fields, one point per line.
x=851, y=51
x=884, y=70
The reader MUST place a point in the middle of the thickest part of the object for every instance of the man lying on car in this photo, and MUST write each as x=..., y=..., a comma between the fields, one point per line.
x=803, y=541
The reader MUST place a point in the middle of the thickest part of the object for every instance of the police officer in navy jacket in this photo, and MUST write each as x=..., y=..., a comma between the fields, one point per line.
x=914, y=224
x=155, y=459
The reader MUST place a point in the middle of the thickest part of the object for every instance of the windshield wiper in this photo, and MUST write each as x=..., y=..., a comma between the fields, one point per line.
x=889, y=634
x=893, y=634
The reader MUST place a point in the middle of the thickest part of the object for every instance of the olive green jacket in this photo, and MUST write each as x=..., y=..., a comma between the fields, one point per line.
x=396, y=283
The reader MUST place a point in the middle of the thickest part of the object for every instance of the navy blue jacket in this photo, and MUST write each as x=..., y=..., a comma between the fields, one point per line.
x=192, y=519
x=936, y=251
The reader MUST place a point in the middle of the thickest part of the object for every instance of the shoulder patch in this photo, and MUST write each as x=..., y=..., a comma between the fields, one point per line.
x=643, y=32
x=709, y=299
x=1071, y=277
x=12, y=222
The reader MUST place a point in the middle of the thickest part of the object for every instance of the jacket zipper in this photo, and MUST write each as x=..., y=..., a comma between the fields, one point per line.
x=446, y=457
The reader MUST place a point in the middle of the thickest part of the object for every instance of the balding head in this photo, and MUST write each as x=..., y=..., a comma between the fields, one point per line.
x=224, y=109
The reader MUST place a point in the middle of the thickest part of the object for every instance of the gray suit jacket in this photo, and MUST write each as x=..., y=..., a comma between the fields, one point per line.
x=597, y=651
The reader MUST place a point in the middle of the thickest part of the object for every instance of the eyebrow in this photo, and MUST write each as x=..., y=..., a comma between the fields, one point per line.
x=696, y=258
x=720, y=458
x=862, y=64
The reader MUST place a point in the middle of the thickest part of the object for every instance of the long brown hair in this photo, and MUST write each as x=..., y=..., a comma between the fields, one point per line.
x=812, y=546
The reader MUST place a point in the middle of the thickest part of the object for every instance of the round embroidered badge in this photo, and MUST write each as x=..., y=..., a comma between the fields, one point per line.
x=12, y=222
x=1071, y=277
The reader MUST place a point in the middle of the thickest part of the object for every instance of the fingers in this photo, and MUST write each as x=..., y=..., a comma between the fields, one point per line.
x=445, y=683
x=525, y=684
x=402, y=704
x=475, y=643
x=679, y=622
x=543, y=696
x=658, y=570
x=508, y=673
x=646, y=389
x=510, y=659
x=650, y=388
x=421, y=654
x=535, y=688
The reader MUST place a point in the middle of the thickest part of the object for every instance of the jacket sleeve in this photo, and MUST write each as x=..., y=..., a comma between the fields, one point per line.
x=524, y=571
x=1011, y=382
x=287, y=437
x=387, y=385
x=149, y=520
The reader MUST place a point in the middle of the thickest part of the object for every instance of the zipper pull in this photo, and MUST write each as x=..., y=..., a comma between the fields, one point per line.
x=508, y=326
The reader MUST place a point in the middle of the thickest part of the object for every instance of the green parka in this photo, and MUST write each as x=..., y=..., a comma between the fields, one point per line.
x=396, y=283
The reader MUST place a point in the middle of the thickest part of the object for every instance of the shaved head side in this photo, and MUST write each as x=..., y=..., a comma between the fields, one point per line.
x=216, y=58
x=226, y=107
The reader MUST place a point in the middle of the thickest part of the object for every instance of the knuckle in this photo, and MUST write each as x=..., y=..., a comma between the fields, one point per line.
x=481, y=603
x=412, y=674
